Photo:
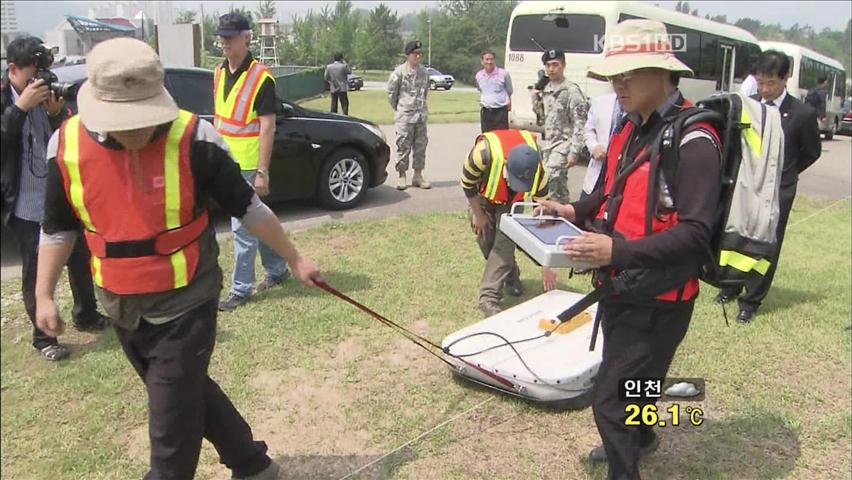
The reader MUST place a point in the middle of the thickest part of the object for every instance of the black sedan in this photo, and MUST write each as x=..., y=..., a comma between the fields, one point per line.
x=332, y=158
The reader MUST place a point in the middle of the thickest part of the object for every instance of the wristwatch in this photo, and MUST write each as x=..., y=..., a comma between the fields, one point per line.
x=262, y=173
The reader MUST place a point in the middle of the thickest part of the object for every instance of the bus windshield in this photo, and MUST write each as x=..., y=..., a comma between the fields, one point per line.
x=572, y=33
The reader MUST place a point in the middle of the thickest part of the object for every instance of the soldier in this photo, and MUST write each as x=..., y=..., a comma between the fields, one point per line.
x=565, y=115
x=407, y=88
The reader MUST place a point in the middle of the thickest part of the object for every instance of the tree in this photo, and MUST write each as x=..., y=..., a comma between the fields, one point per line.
x=266, y=9
x=749, y=24
x=379, y=43
x=679, y=6
x=185, y=16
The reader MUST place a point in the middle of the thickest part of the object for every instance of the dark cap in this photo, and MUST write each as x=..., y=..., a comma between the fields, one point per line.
x=412, y=46
x=232, y=24
x=521, y=165
x=553, y=55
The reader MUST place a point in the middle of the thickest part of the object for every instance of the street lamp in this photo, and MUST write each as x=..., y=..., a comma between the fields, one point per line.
x=429, y=59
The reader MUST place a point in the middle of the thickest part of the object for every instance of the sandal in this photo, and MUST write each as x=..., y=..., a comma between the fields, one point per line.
x=54, y=353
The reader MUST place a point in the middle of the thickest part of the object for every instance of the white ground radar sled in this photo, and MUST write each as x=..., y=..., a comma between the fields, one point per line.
x=555, y=369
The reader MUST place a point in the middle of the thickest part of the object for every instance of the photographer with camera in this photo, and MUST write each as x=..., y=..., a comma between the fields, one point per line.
x=32, y=107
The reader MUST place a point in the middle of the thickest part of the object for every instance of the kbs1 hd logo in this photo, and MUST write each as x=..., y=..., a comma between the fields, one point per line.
x=670, y=43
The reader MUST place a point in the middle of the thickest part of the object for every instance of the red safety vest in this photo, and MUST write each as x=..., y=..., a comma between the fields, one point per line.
x=138, y=215
x=495, y=189
x=630, y=218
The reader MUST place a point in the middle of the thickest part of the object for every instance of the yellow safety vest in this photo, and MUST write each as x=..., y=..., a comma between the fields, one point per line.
x=236, y=120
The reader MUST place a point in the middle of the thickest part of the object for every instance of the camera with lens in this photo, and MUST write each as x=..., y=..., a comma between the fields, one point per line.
x=43, y=61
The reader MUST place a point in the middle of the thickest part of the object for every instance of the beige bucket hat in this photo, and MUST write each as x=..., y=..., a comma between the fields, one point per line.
x=124, y=88
x=634, y=44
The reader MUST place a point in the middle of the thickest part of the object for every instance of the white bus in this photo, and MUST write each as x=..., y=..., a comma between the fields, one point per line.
x=806, y=67
x=719, y=54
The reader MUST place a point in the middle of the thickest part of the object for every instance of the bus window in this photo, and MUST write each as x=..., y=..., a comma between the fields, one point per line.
x=709, y=49
x=578, y=37
x=692, y=56
x=840, y=84
x=747, y=56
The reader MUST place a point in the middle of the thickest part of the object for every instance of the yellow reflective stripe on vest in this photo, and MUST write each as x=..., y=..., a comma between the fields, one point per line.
x=528, y=138
x=743, y=263
x=226, y=128
x=172, y=191
x=71, y=158
x=225, y=106
x=247, y=94
x=498, y=161
x=750, y=135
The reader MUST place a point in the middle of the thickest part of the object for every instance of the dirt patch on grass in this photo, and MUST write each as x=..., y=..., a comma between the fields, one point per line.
x=303, y=410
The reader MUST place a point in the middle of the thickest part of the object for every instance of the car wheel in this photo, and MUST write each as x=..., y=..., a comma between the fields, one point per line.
x=433, y=85
x=343, y=180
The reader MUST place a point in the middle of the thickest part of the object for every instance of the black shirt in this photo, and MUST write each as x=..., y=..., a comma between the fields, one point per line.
x=265, y=103
x=697, y=183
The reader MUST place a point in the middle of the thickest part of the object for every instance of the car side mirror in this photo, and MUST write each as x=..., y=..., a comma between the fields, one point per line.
x=287, y=110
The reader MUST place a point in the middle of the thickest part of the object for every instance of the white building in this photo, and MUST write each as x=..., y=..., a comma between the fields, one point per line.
x=8, y=23
x=64, y=37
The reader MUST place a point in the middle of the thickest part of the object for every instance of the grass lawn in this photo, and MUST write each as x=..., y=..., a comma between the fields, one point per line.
x=374, y=75
x=331, y=390
x=372, y=105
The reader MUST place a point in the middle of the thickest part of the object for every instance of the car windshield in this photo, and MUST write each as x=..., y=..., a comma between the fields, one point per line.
x=433, y=71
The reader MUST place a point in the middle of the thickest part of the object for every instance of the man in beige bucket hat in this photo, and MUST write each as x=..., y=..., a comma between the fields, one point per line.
x=136, y=173
x=642, y=331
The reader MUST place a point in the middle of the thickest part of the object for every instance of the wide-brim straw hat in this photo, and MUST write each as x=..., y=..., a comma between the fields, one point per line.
x=635, y=44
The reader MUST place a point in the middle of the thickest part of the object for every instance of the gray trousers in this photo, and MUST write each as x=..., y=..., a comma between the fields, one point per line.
x=410, y=136
x=499, y=253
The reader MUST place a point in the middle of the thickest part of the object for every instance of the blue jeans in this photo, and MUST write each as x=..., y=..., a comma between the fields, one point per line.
x=246, y=246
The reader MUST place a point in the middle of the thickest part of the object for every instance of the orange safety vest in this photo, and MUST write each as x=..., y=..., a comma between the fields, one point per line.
x=236, y=119
x=139, y=215
x=630, y=218
x=496, y=189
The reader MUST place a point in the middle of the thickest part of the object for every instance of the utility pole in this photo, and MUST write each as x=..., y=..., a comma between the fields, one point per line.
x=429, y=59
x=202, y=27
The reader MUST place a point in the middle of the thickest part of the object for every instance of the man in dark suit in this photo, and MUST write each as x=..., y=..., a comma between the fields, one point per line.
x=802, y=148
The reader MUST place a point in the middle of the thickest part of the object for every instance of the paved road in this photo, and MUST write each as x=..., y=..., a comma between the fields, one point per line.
x=373, y=85
x=830, y=177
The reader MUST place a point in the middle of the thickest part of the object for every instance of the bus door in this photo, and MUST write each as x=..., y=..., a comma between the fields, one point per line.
x=726, y=74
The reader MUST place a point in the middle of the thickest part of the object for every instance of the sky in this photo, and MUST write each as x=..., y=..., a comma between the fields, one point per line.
x=36, y=17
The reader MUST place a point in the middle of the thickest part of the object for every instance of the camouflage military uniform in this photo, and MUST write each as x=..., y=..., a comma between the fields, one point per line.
x=407, y=91
x=565, y=109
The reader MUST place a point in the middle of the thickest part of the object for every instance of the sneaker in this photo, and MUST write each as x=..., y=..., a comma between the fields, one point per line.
x=55, y=353
x=489, y=308
x=231, y=302
x=98, y=322
x=269, y=282
x=269, y=473
x=598, y=454
x=402, y=184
